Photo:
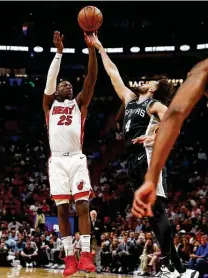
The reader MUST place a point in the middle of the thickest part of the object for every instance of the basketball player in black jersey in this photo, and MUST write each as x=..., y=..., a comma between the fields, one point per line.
x=143, y=112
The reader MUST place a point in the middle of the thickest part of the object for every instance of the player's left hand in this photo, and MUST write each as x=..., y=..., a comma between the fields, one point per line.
x=89, y=38
x=95, y=40
x=144, y=139
x=144, y=199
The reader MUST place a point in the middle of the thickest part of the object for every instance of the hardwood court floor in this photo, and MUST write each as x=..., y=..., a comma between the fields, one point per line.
x=39, y=273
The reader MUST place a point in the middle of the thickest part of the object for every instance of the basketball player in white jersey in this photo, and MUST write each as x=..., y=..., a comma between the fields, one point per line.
x=68, y=173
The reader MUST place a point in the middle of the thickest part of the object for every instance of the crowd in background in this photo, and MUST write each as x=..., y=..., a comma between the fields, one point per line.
x=126, y=243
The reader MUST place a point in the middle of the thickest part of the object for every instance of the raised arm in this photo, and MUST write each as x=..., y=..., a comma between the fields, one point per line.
x=185, y=99
x=86, y=94
x=122, y=91
x=181, y=106
x=53, y=72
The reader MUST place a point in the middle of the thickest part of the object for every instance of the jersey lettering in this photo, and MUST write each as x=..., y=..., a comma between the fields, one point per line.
x=65, y=120
x=138, y=111
x=137, y=121
x=62, y=110
x=65, y=127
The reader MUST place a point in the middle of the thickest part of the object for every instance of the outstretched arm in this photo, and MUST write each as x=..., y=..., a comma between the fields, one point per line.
x=122, y=91
x=53, y=72
x=181, y=106
x=86, y=94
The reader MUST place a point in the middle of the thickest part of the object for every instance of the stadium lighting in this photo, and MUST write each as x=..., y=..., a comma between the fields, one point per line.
x=202, y=46
x=135, y=49
x=114, y=50
x=14, y=48
x=184, y=47
x=85, y=51
x=69, y=50
x=65, y=50
x=38, y=49
x=159, y=48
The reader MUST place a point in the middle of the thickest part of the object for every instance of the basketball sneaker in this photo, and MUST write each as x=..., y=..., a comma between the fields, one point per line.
x=190, y=274
x=167, y=272
x=86, y=262
x=71, y=265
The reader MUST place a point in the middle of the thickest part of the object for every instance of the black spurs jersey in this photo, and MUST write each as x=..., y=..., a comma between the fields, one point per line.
x=137, y=122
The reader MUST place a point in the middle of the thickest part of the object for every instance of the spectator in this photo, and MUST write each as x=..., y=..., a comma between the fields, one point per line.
x=105, y=257
x=14, y=225
x=53, y=251
x=28, y=255
x=198, y=261
x=96, y=231
x=77, y=245
x=40, y=220
x=176, y=242
x=125, y=251
x=42, y=245
x=20, y=246
x=3, y=254
x=149, y=258
x=185, y=249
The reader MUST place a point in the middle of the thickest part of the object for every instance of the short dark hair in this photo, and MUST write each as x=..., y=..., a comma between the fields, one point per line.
x=164, y=92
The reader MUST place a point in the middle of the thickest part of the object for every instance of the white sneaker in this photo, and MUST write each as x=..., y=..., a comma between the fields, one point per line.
x=55, y=266
x=27, y=265
x=48, y=265
x=166, y=273
x=190, y=274
x=61, y=266
x=31, y=264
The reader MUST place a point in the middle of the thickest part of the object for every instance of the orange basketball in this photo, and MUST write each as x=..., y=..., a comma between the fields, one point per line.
x=90, y=18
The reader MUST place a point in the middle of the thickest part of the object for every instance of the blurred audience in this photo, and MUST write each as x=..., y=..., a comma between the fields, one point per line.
x=121, y=243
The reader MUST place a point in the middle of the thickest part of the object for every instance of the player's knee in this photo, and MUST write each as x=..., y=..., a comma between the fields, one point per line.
x=63, y=208
x=60, y=202
x=82, y=207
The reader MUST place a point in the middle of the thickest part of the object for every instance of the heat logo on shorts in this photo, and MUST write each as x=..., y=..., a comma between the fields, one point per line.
x=80, y=185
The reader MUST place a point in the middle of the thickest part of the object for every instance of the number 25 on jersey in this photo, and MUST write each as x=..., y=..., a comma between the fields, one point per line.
x=127, y=126
x=65, y=120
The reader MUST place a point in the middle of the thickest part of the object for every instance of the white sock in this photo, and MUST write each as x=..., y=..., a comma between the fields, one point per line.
x=85, y=243
x=68, y=246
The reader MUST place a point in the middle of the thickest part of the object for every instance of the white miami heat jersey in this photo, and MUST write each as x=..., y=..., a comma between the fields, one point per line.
x=65, y=126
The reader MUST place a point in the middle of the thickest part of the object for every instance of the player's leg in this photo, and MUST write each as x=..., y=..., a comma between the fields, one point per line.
x=81, y=191
x=162, y=229
x=159, y=223
x=64, y=225
x=60, y=191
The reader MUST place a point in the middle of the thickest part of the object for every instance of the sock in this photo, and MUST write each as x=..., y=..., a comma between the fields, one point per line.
x=68, y=246
x=85, y=243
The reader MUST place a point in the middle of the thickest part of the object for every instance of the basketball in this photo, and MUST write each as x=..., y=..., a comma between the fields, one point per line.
x=90, y=19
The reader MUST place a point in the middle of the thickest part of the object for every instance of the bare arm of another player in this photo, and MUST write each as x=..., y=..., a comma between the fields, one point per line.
x=48, y=96
x=186, y=98
x=122, y=91
x=86, y=94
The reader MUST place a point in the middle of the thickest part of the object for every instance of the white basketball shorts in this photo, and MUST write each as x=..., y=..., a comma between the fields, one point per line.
x=69, y=177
